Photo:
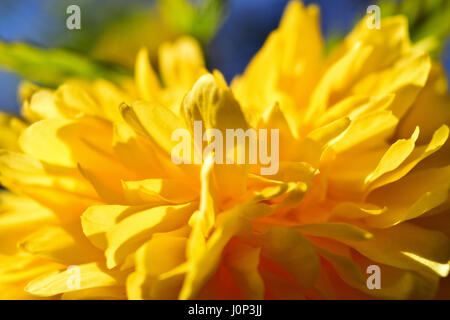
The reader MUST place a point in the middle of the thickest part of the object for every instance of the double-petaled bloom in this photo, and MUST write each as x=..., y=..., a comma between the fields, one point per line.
x=363, y=179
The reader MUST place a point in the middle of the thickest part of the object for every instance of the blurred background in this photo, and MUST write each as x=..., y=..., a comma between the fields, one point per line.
x=230, y=31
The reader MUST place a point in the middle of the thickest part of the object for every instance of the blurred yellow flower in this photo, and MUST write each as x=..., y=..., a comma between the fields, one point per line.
x=363, y=178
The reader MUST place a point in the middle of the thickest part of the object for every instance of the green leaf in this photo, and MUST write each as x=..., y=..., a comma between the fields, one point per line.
x=51, y=67
x=198, y=20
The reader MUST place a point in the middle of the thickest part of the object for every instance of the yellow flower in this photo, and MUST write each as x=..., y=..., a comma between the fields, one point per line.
x=363, y=178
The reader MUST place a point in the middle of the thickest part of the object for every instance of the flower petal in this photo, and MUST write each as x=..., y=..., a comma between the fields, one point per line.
x=394, y=156
x=152, y=260
x=147, y=82
x=10, y=130
x=410, y=197
x=92, y=275
x=158, y=192
x=408, y=247
x=181, y=62
x=243, y=262
x=293, y=252
x=128, y=234
x=204, y=254
x=56, y=244
x=341, y=231
x=437, y=141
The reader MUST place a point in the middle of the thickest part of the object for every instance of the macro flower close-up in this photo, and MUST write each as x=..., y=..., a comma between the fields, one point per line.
x=347, y=196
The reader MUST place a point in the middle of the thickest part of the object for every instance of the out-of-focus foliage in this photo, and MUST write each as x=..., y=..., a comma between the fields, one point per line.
x=332, y=41
x=123, y=37
x=198, y=20
x=107, y=48
x=123, y=30
x=429, y=21
x=51, y=67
